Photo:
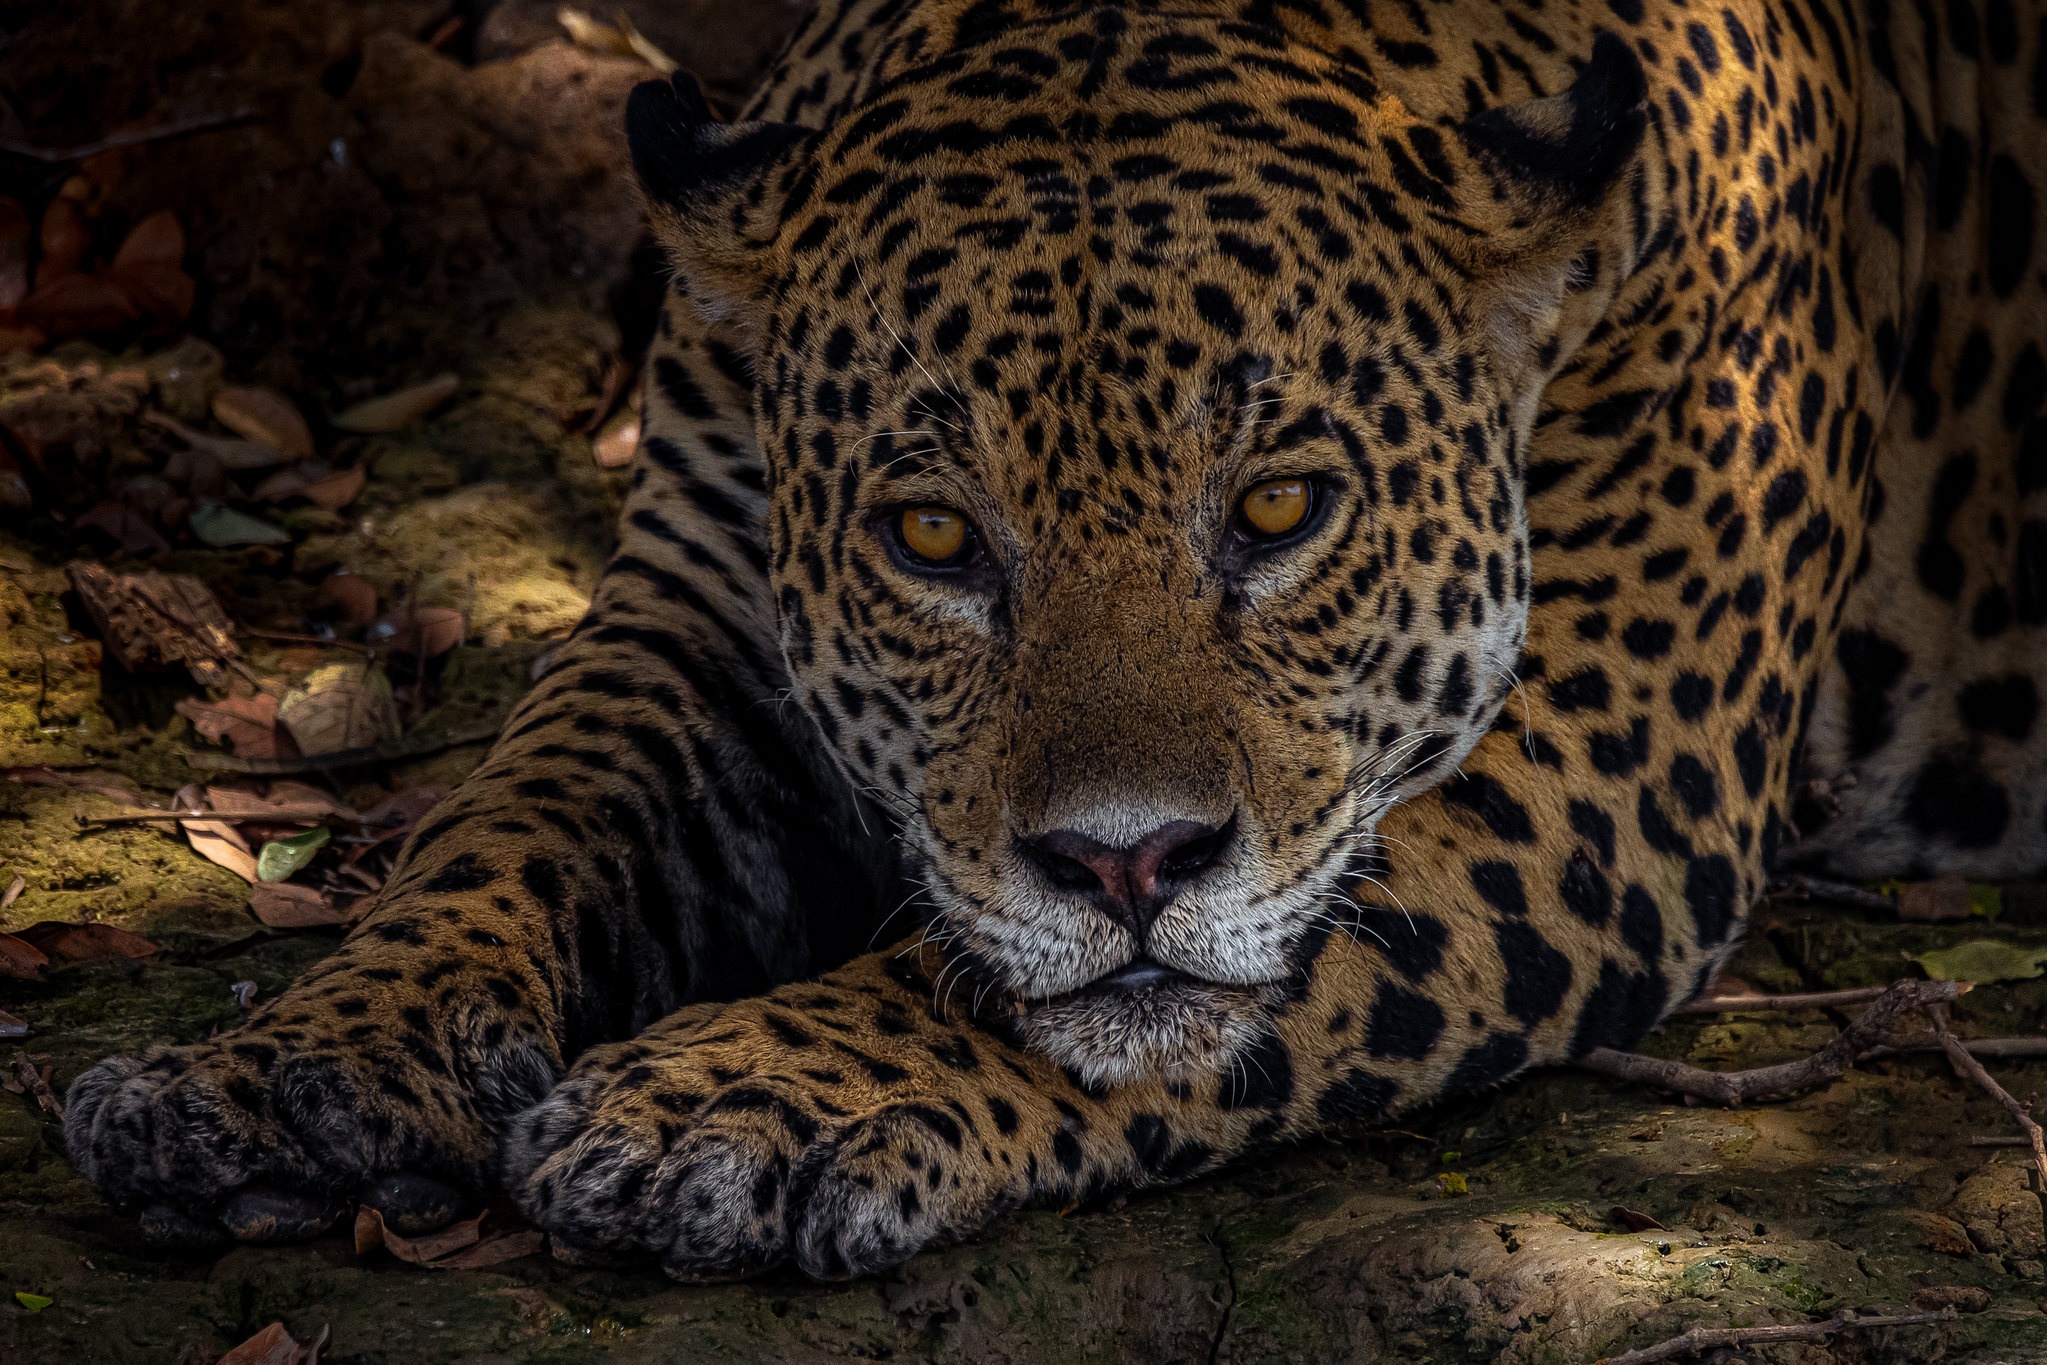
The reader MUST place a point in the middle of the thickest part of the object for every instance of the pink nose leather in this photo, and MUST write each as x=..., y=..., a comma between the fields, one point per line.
x=1132, y=890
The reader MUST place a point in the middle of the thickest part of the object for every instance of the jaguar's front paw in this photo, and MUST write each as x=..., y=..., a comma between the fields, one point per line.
x=272, y=1132
x=756, y=1137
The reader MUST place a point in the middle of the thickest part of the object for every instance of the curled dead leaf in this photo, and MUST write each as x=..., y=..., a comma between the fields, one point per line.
x=61, y=941
x=354, y=594
x=419, y=631
x=265, y=415
x=217, y=841
x=156, y=240
x=341, y=706
x=78, y=305
x=248, y=724
x=408, y=807
x=21, y=960
x=276, y=1346
x=132, y=531
x=161, y=291
x=396, y=411
x=288, y=905
x=1634, y=1221
x=232, y=454
x=325, y=487
x=459, y=1246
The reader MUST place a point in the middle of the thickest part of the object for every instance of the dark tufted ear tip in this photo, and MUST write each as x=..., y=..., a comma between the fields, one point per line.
x=1576, y=143
x=661, y=118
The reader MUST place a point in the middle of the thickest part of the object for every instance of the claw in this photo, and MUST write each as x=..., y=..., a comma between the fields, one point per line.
x=258, y=1213
x=412, y=1203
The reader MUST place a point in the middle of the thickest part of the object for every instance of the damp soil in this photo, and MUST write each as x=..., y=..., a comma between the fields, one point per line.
x=420, y=186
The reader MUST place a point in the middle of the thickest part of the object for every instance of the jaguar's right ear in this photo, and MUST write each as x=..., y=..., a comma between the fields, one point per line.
x=717, y=193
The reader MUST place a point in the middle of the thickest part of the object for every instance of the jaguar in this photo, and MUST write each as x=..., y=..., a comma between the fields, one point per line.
x=1311, y=555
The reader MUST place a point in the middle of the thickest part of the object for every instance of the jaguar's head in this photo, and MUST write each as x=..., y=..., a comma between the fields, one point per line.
x=1144, y=411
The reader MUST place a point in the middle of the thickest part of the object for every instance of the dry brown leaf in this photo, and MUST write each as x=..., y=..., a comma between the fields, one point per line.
x=418, y=631
x=396, y=411
x=27, y=1079
x=287, y=794
x=156, y=240
x=408, y=807
x=233, y=455
x=332, y=489
x=1946, y=897
x=132, y=531
x=614, y=449
x=341, y=706
x=65, y=240
x=264, y=415
x=1940, y=1233
x=354, y=594
x=247, y=723
x=1633, y=1221
x=276, y=1346
x=288, y=905
x=16, y=233
x=78, y=305
x=370, y=1234
x=20, y=960
x=85, y=942
x=217, y=841
x=12, y=893
x=162, y=291
x=494, y=1251
x=158, y=618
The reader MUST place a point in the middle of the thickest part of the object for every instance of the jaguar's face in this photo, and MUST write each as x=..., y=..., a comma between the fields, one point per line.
x=1145, y=513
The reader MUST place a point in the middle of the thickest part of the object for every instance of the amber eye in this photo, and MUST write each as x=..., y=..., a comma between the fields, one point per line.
x=1276, y=507
x=937, y=536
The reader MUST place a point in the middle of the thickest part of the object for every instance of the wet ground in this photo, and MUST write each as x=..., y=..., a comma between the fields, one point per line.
x=414, y=187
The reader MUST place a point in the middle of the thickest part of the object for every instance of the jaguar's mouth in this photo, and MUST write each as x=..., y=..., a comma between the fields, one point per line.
x=1145, y=1019
x=1138, y=974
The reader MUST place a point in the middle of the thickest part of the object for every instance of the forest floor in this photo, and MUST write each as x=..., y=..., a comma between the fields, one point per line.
x=380, y=192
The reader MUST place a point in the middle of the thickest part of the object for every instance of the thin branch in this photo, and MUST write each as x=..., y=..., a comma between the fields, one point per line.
x=1978, y=1047
x=134, y=137
x=1705, y=1338
x=1732, y=1088
x=2000, y=1142
x=287, y=813
x=1967, y=1064
x=1812, y=1000
x=1835, y=893
x=398, y=751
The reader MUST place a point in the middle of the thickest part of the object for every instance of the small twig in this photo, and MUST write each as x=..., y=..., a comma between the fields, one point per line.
x=1978, y=1047
x=1732, y=1088
x=1813, y=1000
x=1966, y=1063
x=398, y=751
x=31, y=1080
x=1704, y=1338
x=134, y=137
x=285, y=814
x=285, y=637
x=2000, y=1142
x=1837, y=893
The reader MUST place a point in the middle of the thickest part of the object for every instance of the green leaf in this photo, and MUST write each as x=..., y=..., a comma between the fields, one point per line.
x=34, y=1303
x=282, y=857
x=1984, y=959
x=1986, y=899
x=220, y=525
x=1449, y=1157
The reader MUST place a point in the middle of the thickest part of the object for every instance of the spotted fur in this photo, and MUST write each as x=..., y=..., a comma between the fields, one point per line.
x=1670, y=378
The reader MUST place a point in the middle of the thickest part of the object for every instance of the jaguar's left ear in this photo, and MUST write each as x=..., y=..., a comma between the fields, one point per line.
x=717, y=193
x=1559, y=210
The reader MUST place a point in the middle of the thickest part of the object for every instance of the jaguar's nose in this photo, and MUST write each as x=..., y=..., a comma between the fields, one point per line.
x=1131, y=884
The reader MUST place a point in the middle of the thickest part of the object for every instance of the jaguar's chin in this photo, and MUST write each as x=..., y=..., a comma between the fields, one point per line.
x=1145, y=1021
